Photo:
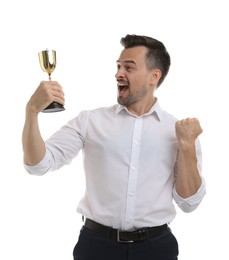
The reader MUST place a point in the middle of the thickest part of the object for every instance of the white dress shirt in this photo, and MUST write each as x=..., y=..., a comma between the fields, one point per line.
x=130, y=165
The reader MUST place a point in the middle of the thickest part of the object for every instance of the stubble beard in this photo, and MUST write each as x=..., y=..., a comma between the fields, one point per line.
x=131, y=98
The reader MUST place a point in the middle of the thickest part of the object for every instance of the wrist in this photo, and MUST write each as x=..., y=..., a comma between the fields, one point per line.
x=31, y=110
x=186, y=146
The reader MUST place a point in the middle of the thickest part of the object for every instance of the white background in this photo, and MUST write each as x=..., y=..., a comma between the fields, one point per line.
x=38, y=218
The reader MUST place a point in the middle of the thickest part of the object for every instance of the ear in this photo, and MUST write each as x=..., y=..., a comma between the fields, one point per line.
x=155, y=76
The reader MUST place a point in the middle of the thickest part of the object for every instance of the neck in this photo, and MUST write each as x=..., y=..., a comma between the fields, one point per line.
x=141, y=108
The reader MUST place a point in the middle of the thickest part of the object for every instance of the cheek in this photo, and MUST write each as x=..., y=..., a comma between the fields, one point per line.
x=138, y=81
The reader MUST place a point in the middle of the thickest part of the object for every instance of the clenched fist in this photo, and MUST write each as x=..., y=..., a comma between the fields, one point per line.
x=46, y=93
x=187, y=130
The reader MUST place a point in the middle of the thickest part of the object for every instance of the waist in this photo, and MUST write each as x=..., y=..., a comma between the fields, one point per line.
x=124, y=236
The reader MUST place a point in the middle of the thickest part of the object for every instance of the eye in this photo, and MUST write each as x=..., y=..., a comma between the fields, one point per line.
x=128, y=68
x=118, y=66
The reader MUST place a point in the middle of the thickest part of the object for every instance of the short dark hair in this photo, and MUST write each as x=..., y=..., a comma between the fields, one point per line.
x=157, y=56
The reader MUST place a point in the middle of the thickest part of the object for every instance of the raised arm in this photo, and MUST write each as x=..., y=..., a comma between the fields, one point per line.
x=33, y=143
x=188, y=178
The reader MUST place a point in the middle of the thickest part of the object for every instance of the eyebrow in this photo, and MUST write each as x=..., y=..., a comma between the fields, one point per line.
x=126, y=61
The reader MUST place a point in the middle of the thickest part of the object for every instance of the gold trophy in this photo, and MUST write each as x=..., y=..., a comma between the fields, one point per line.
x=47, y=60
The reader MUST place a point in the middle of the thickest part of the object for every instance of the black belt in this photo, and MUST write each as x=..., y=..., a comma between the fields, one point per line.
x=125, y=236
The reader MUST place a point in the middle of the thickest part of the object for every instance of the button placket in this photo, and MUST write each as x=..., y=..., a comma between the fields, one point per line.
x=133, y=174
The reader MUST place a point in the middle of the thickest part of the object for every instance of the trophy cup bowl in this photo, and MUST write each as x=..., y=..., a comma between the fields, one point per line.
x=47, y=61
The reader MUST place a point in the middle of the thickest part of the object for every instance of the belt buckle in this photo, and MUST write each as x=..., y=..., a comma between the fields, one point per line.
x=122, y=241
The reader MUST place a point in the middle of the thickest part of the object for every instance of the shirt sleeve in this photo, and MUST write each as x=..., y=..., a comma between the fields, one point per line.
x=40, y=168
x=191, y=203
x=62, y=146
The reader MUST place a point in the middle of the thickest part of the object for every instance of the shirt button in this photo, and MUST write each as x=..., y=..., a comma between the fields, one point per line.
x=132, y=168
x=129, y=221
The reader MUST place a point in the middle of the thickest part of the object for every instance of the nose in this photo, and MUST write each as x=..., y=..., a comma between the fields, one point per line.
x=120, y=74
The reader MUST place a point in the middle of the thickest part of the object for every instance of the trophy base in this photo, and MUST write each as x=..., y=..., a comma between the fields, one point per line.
x=53, y=107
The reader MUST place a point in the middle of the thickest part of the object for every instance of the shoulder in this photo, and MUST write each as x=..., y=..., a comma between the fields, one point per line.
x=168, y=117
x=93, y=113
x=101, y=111
x=165, y=116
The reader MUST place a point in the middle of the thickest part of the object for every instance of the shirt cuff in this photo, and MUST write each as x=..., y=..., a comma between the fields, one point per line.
x=40, y=168
x=191, y=203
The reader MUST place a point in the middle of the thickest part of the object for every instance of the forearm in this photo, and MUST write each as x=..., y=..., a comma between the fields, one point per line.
x=33, y=144
x=188, y=179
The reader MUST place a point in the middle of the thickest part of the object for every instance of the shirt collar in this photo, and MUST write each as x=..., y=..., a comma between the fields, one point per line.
x=155, y=110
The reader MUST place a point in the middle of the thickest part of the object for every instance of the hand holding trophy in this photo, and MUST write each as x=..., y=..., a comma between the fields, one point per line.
x=47, y=61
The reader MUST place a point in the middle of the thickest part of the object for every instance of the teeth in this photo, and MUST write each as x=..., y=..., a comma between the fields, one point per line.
x=122, y=85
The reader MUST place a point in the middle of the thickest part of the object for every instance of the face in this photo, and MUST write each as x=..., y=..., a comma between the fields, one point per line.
x=133, y=77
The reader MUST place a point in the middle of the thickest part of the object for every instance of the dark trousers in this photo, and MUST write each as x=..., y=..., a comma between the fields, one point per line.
x=93, y=246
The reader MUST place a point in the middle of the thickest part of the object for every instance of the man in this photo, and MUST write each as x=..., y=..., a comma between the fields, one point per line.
x=137, y=157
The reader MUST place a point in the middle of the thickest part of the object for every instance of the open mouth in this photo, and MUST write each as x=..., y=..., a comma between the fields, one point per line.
x=122, y=88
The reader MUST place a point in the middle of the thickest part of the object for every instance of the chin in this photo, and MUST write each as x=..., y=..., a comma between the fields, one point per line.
x=121, y=101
